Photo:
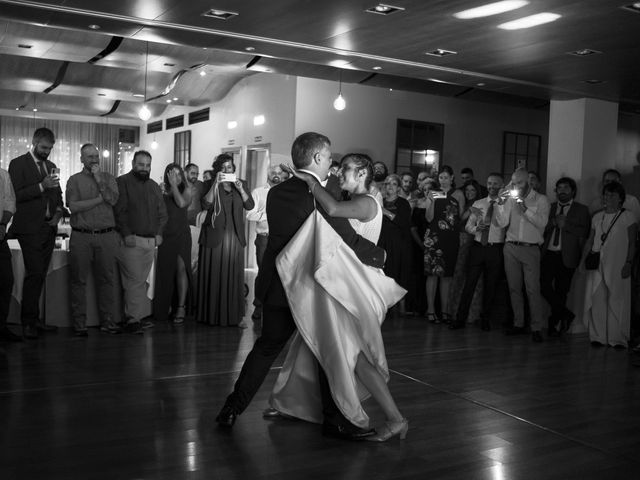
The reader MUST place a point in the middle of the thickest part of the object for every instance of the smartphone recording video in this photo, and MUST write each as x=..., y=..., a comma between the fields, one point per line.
x=228, y=177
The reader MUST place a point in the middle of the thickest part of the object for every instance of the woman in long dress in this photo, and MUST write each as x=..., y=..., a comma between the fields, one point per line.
x=222, y=241
x=471, y=190
x=608, y=292
x=173, y=272
x=441, y=243
x=361, y=346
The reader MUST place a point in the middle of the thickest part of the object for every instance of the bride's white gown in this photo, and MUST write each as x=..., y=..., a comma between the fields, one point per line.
x=338, y=305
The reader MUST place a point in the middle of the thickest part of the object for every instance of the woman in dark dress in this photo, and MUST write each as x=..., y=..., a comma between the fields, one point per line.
x=418, y=229
x=395, y=236
x=441, y=242
x=222, y=241
x=173, y=276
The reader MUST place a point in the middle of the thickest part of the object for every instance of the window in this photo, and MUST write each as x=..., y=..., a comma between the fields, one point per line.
x=182, y=148
x=419, y=146
x=520, y=150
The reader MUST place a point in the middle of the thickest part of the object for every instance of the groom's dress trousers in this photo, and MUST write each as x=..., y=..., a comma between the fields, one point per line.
x=288, y=206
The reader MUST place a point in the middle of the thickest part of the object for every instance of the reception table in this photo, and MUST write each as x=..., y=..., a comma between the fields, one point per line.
x=55, y=302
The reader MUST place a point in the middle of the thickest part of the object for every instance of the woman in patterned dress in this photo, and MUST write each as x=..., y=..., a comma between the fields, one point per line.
x=441, y=242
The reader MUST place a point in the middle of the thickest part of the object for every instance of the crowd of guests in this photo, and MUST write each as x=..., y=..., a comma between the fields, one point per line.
x=466, y=253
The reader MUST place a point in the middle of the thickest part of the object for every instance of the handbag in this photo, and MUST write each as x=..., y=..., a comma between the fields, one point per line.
x=592, y=260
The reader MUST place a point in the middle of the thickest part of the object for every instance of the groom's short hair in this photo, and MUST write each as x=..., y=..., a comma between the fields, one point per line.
x=305, y=146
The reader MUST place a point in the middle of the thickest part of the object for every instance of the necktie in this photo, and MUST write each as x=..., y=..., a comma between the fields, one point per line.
x=484, y=237
x=43, y=171
x=556, y=232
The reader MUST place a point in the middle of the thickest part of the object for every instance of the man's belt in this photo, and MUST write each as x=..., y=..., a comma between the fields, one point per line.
x=523, y=244
x=489, y=244
x=93, y=232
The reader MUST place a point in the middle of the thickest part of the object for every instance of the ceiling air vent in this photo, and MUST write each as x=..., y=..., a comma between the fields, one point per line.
x=128, y=135
x=174, y=122
x=154, y=127
x=219, y=14
x=584, y=52
x=384, y=9
x=199, y=116
x=441, y=52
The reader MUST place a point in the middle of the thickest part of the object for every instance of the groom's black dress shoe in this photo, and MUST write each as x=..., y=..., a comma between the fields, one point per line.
x=346, y=433
x=227, y=417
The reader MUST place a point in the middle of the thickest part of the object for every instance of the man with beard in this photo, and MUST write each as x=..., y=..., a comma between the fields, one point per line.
x=140, y=218
x=35, y=223
x=258, y=214
x=91, y=195
x=406, y=189
x=485, y=255
x=380, y=173
x=564, y=236
x=191, y=172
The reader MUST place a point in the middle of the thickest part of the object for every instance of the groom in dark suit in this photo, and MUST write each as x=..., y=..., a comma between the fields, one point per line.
x=38, y=210
x=289, y=204
x=564, y=236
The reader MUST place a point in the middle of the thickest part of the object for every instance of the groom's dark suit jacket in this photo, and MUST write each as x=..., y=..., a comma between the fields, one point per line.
x=289, y=204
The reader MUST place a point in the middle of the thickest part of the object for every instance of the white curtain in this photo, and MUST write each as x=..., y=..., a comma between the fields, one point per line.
x=16, y=134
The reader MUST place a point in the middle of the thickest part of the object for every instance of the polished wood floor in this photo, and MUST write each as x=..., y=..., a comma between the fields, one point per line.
x=480, y=405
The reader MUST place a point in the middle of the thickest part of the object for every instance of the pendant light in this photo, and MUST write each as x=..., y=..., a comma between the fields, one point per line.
x=144, y=113
x=339, y=103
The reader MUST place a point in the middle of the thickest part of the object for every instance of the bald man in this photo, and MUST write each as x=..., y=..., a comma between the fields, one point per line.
x=91, y=195
x=524, y=213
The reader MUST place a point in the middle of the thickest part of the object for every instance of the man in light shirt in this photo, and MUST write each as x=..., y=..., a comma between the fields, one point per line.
x=7, y=209
x=486, y=255
x=524, y=214
x=258, y=214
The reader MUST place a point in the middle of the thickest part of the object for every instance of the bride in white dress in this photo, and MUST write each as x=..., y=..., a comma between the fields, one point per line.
x=341, y=329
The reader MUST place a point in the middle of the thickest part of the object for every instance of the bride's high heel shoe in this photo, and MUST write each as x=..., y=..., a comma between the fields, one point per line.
x=390, y=429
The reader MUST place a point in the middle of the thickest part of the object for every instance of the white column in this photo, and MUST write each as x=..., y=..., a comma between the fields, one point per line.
x=582, y=143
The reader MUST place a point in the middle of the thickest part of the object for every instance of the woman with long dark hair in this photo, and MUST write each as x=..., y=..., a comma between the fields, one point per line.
x=222, y=241
x=173, y=272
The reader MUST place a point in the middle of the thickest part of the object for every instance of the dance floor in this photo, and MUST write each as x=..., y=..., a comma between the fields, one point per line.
x=480, y=405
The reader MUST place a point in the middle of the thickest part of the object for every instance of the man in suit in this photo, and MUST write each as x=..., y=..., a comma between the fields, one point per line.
x=38, y=210
x=288, y=206
x=564, y=236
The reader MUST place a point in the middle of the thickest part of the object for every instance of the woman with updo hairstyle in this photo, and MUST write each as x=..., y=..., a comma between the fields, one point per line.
x=441, y=242
x=173, y=267
x=222, y=241
x=608, y=288
x=395, y=237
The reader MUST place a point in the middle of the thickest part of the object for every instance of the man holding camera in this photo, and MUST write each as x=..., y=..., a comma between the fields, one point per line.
x=36, y=182
x=525, y=213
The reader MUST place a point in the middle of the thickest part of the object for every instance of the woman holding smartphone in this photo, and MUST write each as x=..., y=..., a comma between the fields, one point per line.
x=222, y=241
x=441, y=242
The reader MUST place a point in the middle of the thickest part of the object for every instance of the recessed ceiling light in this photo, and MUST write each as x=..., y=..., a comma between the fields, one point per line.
x=391, y=89
x=35, y=109
x=491, y=9
x=258, y=120
x=530, y=21
x=259, y=68
x=175, y=99
x=481, y=84
x=219, y=14
x=138, y=95
x=24, y=45
x=339, y=63
x=168, y=100
x=440, y=52
x=202, y=73
x=93, y=26
x=594, y=81
x=632, y=7
x=384, y=9
x=232, y=124
x=17, y=108
x=250, y=49
x=377, y=68
x=584, y=52
x=169, y=64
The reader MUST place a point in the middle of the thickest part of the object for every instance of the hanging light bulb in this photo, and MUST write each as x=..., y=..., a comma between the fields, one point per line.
x=339, y=103
x=144, y=113
x=106, y=153
x=154, y=145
